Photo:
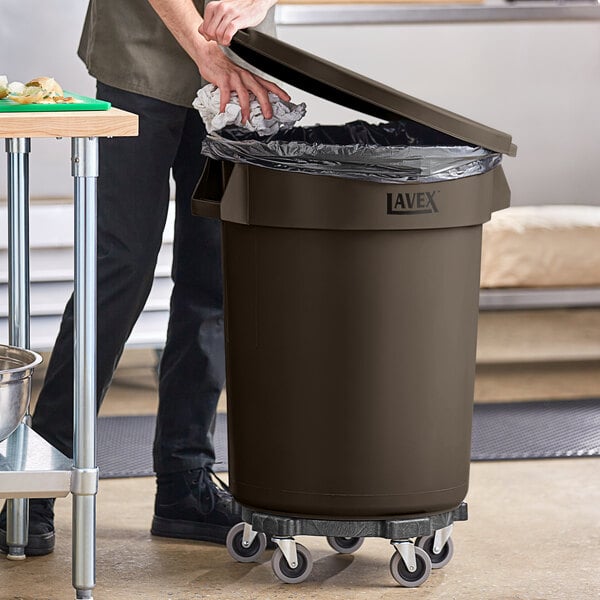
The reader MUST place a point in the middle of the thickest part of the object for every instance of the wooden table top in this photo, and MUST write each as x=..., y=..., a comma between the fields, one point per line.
x=93, y=123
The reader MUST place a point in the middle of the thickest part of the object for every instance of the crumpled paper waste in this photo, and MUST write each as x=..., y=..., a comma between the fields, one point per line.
x=207, y=103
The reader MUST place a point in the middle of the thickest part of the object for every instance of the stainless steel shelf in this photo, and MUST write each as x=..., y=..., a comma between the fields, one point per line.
x=32, y=468
x=530, y=298
x=388, y=14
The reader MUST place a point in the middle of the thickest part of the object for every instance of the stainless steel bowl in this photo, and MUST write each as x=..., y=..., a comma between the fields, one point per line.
x=16, y=368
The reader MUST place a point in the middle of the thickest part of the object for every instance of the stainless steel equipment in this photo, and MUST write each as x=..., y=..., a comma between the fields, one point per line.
x=16, y=369
x=29, y=466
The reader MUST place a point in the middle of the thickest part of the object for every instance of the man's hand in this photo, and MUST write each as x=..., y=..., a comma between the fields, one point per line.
x=229, y=77
x=184, y=22
x=223, y=19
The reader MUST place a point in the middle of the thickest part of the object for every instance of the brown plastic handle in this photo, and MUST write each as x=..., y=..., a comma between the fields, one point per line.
x=501, y=198
x=206, y=208
x=206, y=201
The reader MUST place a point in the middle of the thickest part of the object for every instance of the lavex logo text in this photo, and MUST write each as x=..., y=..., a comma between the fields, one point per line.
x=419, y=203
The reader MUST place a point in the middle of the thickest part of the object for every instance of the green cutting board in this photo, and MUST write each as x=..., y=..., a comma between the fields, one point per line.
x=81, y=103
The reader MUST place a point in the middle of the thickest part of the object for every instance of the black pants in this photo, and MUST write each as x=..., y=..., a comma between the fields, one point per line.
x=133, y=197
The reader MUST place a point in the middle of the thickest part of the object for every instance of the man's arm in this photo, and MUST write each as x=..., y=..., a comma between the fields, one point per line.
x=183, y=21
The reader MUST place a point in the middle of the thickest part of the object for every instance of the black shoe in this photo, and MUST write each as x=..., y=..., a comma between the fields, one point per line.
x=191, y=506
x=41, y=528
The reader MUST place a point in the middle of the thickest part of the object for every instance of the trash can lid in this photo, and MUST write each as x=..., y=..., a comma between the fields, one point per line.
x=352, y=90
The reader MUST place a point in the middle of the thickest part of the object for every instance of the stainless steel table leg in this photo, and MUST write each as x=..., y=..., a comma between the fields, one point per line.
x=18, y=305
x=84, y=157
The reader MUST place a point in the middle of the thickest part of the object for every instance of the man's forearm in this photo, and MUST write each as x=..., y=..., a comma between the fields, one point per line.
x=182, y=19
x=228, y=16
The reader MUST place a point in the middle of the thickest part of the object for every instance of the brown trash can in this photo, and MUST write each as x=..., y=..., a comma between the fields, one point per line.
x=351, y=317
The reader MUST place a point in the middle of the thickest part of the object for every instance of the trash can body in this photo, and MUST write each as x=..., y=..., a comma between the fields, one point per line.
x=351, y=323
x=351, y=310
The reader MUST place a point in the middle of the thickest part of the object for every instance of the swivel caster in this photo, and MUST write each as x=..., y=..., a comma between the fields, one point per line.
x=345, y=545
x=439, y=547
x=410, y=566
x=291, y=562
x=244, y=544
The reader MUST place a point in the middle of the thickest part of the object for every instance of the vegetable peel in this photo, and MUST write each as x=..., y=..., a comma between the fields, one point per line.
x=40, y=90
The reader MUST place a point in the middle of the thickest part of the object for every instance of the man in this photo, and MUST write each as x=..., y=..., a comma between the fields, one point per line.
x=149, y=57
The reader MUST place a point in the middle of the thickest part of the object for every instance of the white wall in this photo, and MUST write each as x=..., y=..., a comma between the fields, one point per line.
x=41, y=38
x=538, y=81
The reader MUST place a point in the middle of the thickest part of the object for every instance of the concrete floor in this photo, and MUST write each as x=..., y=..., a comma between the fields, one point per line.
x=533, y=531
x=533, y=534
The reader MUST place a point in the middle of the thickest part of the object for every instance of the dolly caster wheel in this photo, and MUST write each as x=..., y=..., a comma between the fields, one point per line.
x=402, y=574
x=345, y=545
x=441, y=558
x=292, y=574
x=244, y=544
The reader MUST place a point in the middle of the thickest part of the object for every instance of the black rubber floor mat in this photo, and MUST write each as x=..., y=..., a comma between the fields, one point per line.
x=541, y=429
x=502, y=431
x=125, y=446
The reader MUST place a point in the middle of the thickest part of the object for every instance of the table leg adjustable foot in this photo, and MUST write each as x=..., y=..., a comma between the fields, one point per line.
x=16, y=553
